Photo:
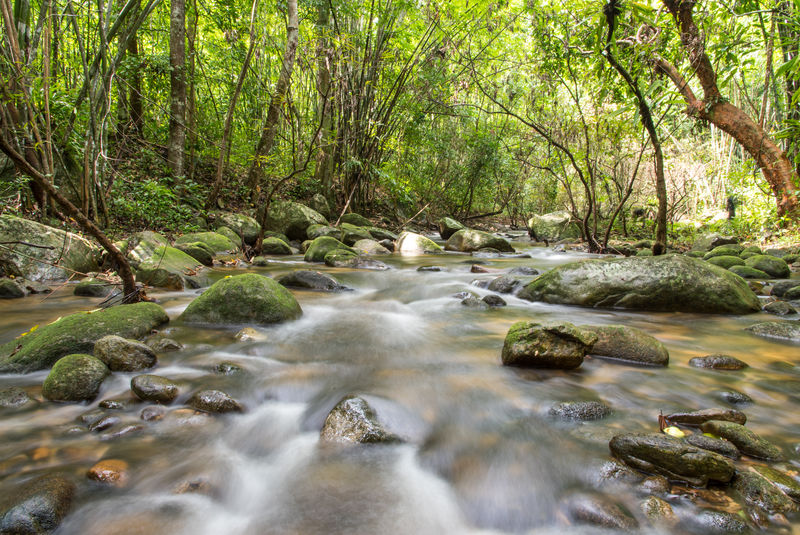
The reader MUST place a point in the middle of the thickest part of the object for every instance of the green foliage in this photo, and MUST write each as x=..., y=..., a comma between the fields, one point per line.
x=151, y=204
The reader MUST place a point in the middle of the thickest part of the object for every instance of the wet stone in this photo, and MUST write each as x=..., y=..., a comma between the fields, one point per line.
x=615, y=471
x=705, y=415
x=474, y=302
x=655, y=485
x=779, y=308
x=598, y=511
x=431, y=269
x=121, y=355
x=249, y=334
x=781, y=330
x=504, y=284
x=744, y=439
x=37, y=506
x=354, y=421
x=479, y=269
x=13, y=397
x=118, y=404
x=524, y=270
x=659, y=512
x=154, y=388
x=494, y=301
x=758, y=492
x=711, y=522
x=718, y=362
x=121, y=432
x=113, y=472
x=536, y=345
x=717, y=445
x=789, y=485
x=228, y=368
x=214, y=401
x=153, y=413
x=164, y=345
x=733, y=397
x=580, y=410
x=104, y=423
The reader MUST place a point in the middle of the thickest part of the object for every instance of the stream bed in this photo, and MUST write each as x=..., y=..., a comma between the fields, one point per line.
x=482, y=452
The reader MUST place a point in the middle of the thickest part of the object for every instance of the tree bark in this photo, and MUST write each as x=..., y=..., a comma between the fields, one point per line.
x=324, y=165
x=267, y=140
x=774, y=164
x=177, y=79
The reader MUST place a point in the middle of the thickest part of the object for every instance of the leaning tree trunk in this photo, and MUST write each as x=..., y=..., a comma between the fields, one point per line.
x=177, y=84
x=774, y=164
x=267, y=140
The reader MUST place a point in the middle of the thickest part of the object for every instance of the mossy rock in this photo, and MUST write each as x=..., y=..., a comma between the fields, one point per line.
x=75, y=378
x=249, y=298
x=644, y=252
x=317, y=231
x=553, y=227
x=231, y=235
x=747, y=272
x=744, y=439
x=759, y=493
x=243, y=225
x=411, y=244
x=710, y=241
x=323, y=245
x=122, y=355
x=674, y=283
x=780, y=330
x=695, y=254
x=77, y=333
x=352, y=234
x=752, y=249
x=725, y=261
x=775, y=267
x=791, y=258
x=469, y=240
x=143, y=245
x=93, y=288
x=380, y=234
x=292, y=219
x=534, y=345
x=449, y=226
x=272, y=234
x=370, y=247
x=11, y=289
x=628, y=344
x=169, y=268
x=320, y=204
x=744, y=255
x=275, y=246
x=355, y=219
x=731, y=249
x=199, y=251
x=216, y=242
x=339, y=257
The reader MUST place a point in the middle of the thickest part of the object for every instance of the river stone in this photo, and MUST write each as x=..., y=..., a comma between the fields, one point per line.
x=383, y=236
x=37, y=506
x=13, y=397
x=789, y=485
x=717, y=445
x=320, y=204
x=244, y=226
x=77, y=333
x=598, y=511
x=449, y=226
x=217, y=242
x=345, y=259
x=744, y=439
x=580, y=410
x=731, y=249
x=710, y=241
x=112, y=472
x=710, y=522
x=505, y=284
x=93, y=288
x=670, y=283
x=726, y=262
x=69, y=252
x=675, y=459
x=198, y=251
x=494, y=300
x=659, y=512
x=468, y=240
x=733, y=397
x=353, y=218
x=11, y=289
x=629, y=344
x=228, y=368
x=323, y=245
x=532, y=344
x=718, y=362
x=411, y=244
x=142, y=246
x=655, y=485
x=353, y=421
x=169, y=268
x=474, y=302
x=758, y=492
x=779, y=308
x=780, y=288
x=154, y=388
x=164, y=345
x=248, y=298
x=782, y=330
x=231, y=235
x=775, y=267
x=121, y=355
x=698, y=418
x=292, y=219
x=214, y=401
x=75, y=378
x=311, y=280
x=746, y=272
x=370, y=247
x=552, y=227
x=352, y=234
x=275, y=246
x=315, y=231
x=432, y=269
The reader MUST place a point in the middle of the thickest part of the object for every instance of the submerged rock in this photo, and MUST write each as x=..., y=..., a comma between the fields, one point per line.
x=13, y=397
x=782, y=330
x=248, y=298
x=718, y=362
x=121, y=355
x=505, y=284
x=37, y=506
x=710, y=522
x=112, y=472
x=469, y=240
x=353, y=421
x=789, y=485
x=659, y=512
x=531, y=344
x=410, y=244
x=675, y=459
x=580, y=410
x=77, y=333
x=75, y=378
x=598, y=511
x=214, y=401
x=673, y=283
x=311, y=280
x=700, y=417
x=494, y=301
x=733, y=397
x=629, y=344
x=744, y=439
x=758, y=492
x=154, y=388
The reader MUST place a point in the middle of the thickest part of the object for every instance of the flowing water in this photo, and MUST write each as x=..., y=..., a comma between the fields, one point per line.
x=481, y=455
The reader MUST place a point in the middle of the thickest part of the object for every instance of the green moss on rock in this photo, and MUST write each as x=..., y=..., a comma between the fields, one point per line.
x=775, y=267
x=469, y=240
x=323, y=245
x=532, y=344
x=275, y=246
x=725, y=261
x=169, y=268
x=747, y=272
x=411, y=244
x=292, y=219
x=75, y=378
x=218, y=243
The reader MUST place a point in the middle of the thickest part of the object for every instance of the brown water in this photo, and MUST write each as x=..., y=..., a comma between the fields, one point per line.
x=482, y=454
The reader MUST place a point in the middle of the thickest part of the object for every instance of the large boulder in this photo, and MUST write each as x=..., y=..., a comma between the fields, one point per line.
x=628, y=344
x=449, y=226
x=245, y=226
x=315, y=231
x=62, y=255
x=320, y=247
x=552, y=227
x=469, y=240
x=122, y=355
x=743, y=438
x=143, y=245
x=249, y=298
x=669, y=283
x=169, y=268
x=708, y=242
x=320, y=204
x=37, y=506
x=75, y=378
x=217, y=242
x=531, y=344
x=370, y=248
x=77, y=333
x=351, y=234
x=411, y=244
x=670, y=457
x=292, y=219
x=353, y=218
x=275, y=246
x=781, y=330
x=199, y=251
x=776, y=268
x=311, y=280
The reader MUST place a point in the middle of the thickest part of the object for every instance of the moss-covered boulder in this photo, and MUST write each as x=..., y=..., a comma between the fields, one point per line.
x=675, y=283
x=780, y=330
x=231, y=234
x=743, y=438
x=322, y=246
x=93, y=288
x=411, y=244
x=217, y=242
x=775, y=267
x=759, y=493
x=292, y=219
x=320, y=204
x=628, y=344
x=77, y=333
x=37, y=506
x=725, y=261
x=122, y=355
x=355, y=219
x=143, y=245
x=11, y=289
x=275, y=246
x=199, y=251
x=339, y=257
x=731, y=249
x=311, y=280
x=344, y=259
x=60, y=253
x=370, y=247
x=449, y=226
x=469, y=240
x=249, y=298
x=746, y=272
x=552, y=227
x=534, y=345
x=670, y=457
x=352, y=234
x=243, y=225
x=75, y=378
x=170, y=268
x=317, y=231
x=381, y=234
x=707, y=242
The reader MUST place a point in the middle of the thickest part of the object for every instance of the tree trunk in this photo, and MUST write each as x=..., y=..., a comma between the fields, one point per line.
x=267, y=140
x=177, y=80
x=772, y=160
x=324, y=168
